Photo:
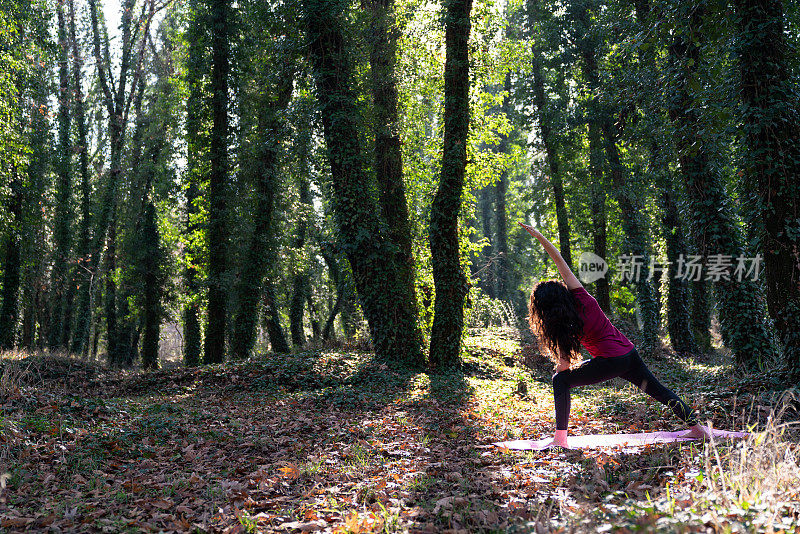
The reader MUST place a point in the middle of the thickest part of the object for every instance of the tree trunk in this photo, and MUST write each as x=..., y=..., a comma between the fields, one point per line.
x=771, y=121
x=636, y=240
x=701, y=314
x=114, y=359
x=448, y=277
x=82, y=274
x=296, y=310
x=11, y=267
x=388, y=152
x=214, y=342
x=33, y=236
x=193, y=177
x=152, y=257
x=301, y=282
x=62, y=231
x=152, y=288
x=390, y=312
x=132, y=254
x=277, y=338
x=714, y=228
x=486, y=264
x=549, y=139
x=597, y=201
x=679, y=295
x=251, y=276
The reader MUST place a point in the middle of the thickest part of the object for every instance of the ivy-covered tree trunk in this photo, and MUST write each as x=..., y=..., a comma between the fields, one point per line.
x=597, y=206
x=214, y=342
x=771, y=162
x=193, y=177
x=131, y=252
x=701, y=314
x=544, y=117
x=388, y=152
x=151, y=267
x=390, y=313
x=111, y=292
x=33, y=229
x=11, y=267
x=152, y=256
x=328, y=254
x=636, y=239
x=62, y=223
x=713, y=226
x=251, y=276
x=82, y=274
x=301, y=283
x=277, y=337
x=678, y=293
x=488, y=266
x=658, y=172
x=448, y=277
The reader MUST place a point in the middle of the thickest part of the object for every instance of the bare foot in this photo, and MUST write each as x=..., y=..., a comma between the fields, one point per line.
x=698, y=431
x=560, y=439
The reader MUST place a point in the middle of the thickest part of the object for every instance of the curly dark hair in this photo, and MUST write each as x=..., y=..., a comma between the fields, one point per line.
x=554, y=317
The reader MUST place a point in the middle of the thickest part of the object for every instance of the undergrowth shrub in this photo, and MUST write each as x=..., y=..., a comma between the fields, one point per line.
x=484, y=311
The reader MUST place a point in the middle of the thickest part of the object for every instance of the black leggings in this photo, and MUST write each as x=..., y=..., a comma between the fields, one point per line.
x=631, y=368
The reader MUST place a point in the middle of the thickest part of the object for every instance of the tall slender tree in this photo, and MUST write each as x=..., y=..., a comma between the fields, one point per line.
x=301, y=282
x=193, y=177
x=62, y=225
x=82, y=275
x=500, y=194
x=217, y=237
x=544, y=116
x=448, y=277
x=33, y=222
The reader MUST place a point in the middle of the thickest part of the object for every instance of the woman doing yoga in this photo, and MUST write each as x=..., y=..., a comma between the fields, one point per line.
x=564, y=318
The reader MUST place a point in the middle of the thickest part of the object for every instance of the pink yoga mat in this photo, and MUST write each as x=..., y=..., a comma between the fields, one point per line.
x=595, y=441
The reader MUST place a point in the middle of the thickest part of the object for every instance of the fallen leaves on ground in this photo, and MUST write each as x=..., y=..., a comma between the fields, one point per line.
x=333, y=442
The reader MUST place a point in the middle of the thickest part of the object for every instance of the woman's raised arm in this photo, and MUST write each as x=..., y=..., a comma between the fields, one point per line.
x=569, y=277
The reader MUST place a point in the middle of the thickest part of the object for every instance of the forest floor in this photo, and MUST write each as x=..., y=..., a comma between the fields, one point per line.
x=331, y=441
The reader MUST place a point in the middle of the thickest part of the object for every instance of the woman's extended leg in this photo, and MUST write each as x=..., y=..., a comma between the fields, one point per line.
x=640, y=376
x=590, y=372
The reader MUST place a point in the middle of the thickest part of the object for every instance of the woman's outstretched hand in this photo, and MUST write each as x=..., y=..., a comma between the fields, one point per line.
x=531, y=230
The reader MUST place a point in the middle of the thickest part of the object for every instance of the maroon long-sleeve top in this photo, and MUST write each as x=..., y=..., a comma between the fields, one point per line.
x=600, y=337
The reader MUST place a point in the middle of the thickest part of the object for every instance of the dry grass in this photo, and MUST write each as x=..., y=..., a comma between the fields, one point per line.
x=761, y=473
